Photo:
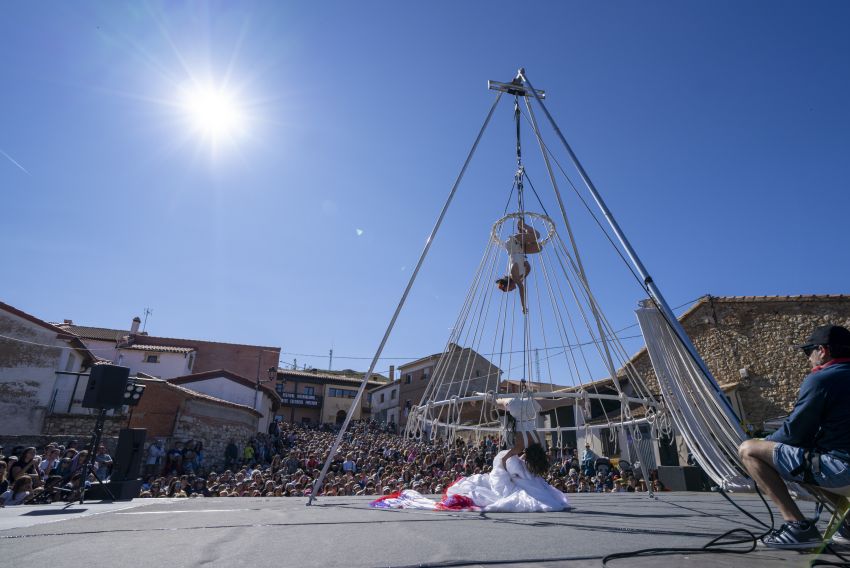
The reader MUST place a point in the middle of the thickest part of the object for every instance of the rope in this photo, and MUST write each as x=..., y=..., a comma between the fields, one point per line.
x=318, y=483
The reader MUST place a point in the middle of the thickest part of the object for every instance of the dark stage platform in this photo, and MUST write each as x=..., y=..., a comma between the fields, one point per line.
x=344, y=531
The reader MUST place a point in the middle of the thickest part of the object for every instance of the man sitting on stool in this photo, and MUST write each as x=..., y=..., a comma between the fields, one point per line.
x=813, y=445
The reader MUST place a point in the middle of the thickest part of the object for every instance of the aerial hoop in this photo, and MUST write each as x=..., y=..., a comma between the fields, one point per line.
x=550, y=226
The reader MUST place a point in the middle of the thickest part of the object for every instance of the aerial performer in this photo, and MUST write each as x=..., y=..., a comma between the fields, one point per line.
x=523, y=243
x=515, y=484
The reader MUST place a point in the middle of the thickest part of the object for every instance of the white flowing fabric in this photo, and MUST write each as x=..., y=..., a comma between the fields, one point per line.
x=514, y=490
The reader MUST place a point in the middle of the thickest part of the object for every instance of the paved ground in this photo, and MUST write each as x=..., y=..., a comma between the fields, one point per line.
x=344, y=531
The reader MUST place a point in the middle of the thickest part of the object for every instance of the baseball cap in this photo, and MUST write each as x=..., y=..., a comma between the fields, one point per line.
x=833, y=335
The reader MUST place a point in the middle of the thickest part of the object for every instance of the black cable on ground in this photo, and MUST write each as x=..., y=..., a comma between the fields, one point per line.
x=713, y=546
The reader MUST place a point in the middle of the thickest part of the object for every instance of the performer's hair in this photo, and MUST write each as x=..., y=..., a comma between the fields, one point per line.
x=536, y=460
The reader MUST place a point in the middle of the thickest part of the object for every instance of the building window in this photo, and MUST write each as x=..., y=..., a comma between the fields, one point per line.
x=477, y=372
x=392, y=394
x=151, y=358
x=191, y=361
x=310, y=390
x=279, y=388
x=407, y=378
x=382, y=397
x=342, y=393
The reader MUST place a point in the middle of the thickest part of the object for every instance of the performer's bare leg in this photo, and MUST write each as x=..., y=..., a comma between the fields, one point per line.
x=519, y=278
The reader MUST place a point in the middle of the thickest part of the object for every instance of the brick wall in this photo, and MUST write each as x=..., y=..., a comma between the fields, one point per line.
x=244, y=360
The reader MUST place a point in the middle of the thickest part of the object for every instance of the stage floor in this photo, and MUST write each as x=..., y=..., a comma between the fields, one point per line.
x=345, y=532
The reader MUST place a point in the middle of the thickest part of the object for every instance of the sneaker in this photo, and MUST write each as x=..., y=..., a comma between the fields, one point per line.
x=794, y=535
x=842, y=535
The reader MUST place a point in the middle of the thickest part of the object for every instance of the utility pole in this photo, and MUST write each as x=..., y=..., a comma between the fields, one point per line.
x=331, y=360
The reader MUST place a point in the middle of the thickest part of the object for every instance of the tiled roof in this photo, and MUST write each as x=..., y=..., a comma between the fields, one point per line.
x=452, y=348
x=200, y=396
x=745, y=300
x=159, y=348
x=96, y=333
x=106, y=334
x=533, y=385
x=186, y=379
x=327, y=377
x=756, y=299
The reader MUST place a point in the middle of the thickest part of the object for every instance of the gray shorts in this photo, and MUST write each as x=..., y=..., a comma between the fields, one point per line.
x=833, y=472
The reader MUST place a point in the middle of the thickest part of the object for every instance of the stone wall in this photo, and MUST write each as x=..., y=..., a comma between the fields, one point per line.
x=79, y=426
x=747, y=344
x=214, y=428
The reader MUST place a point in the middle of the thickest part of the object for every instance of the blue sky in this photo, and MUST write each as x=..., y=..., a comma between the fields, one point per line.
x=717, y=132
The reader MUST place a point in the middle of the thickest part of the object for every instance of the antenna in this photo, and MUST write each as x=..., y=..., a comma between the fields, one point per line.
x=148, y=312
x=331, y=360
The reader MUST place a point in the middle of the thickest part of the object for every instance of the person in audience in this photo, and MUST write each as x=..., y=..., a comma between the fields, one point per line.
x=20, y=492
x=103, y=463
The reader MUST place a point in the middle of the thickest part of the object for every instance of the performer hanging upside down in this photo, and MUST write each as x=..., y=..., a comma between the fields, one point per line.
x=523, y=243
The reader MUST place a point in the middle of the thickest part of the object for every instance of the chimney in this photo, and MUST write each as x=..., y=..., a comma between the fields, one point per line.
x=134, y=327
x=392, y=373
x=69, y=322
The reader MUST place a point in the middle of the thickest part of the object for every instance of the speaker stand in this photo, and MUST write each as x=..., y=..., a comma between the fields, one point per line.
x=96, y=436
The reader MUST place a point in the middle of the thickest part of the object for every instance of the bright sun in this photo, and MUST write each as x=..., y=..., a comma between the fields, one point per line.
x=213, y=112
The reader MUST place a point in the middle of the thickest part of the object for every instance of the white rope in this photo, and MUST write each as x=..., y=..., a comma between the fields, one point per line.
x=712, y=435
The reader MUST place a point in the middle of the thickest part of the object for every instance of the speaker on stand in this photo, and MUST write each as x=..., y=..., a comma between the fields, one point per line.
x=109, y=387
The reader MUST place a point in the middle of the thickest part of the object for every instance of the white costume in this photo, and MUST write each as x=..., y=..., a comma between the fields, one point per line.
x=516, y=252
x=511, y=490
x=525, y=409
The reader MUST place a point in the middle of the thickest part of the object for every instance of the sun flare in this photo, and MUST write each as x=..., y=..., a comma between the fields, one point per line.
x=214, y=113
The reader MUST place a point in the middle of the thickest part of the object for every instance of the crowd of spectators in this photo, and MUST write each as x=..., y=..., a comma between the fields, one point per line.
x=286, y=461
x=370, y=461
x=55, y=472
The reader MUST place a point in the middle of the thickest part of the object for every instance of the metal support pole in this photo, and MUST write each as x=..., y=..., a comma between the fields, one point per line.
x=651, y=288
x=318, y=483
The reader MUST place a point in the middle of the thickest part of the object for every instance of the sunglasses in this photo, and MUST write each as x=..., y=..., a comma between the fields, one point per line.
x=809, y=349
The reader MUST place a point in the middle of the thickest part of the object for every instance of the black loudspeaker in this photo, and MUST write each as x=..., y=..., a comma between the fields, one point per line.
x=676, y=478
x=128, y=456
x=106, y=386
x=122, y=490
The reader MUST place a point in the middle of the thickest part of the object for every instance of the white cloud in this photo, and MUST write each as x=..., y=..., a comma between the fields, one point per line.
x=359, y=232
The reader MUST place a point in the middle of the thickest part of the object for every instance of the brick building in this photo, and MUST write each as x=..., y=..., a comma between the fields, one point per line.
x=178, y=414
x=168, y=357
